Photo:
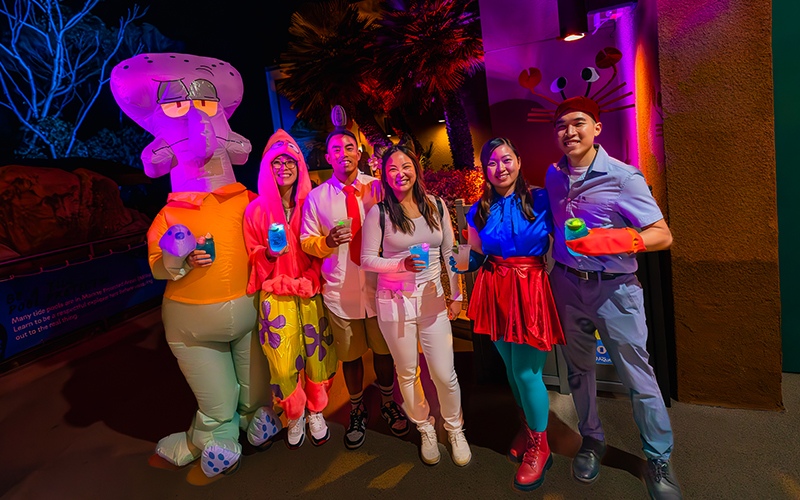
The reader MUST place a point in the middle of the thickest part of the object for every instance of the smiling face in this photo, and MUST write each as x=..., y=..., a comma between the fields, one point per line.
x=284, y=168
x=400, y=173
x=502, y=169
x=575, y=133
x=343, y=155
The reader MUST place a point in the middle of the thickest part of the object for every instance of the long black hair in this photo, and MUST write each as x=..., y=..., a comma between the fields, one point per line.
x=520, y=185
x=397, y=215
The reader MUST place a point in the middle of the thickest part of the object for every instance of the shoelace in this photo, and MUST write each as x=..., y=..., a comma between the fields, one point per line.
x=355, y=416
x=315, y=421
x=297, y=427
x=392, y=410
x=430, y=434
x=457, y=437
x=531, y=455
x=659, y=470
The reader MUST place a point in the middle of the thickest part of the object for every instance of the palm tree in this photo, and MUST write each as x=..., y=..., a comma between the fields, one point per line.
x=425, y=50
x=328, y=55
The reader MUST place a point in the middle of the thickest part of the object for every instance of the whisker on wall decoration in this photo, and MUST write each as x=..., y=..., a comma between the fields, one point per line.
x=605, y=59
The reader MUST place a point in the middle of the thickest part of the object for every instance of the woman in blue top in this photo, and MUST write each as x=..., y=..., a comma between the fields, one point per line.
x=511, y=300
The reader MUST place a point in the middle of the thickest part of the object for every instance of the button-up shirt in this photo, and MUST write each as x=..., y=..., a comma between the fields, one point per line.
x=610, y=194
x=347, y=291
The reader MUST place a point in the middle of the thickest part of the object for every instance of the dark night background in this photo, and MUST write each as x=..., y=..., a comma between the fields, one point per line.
x=248, y=35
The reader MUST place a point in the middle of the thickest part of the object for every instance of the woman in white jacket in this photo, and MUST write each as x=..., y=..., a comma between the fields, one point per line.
x=410, y=298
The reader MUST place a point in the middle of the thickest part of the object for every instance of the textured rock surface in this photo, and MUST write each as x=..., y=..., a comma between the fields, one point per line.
x=43, y=209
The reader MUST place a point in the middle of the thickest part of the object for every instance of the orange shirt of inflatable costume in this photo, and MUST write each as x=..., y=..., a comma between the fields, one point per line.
x=220, y=213
x=295, y=272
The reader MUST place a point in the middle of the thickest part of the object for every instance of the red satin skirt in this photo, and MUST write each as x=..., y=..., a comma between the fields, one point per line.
x=512, y=301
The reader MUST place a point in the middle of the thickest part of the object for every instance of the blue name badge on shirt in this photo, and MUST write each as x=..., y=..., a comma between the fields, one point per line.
x=601, y=353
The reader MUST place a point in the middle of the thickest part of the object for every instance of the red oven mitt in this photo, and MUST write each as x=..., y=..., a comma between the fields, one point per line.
x=608, y=241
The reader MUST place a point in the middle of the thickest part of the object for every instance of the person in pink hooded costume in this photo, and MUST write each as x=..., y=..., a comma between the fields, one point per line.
x=294, y=332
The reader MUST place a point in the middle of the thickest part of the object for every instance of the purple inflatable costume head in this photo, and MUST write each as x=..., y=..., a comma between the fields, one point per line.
x=185, y=101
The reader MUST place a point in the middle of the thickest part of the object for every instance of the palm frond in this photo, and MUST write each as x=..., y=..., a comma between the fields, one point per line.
x=329, y=49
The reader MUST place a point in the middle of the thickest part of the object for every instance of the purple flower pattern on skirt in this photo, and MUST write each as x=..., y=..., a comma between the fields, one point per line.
x=279, y=322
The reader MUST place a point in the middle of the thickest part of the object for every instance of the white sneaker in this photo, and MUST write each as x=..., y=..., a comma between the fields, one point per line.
x=460, y=448
x=430, y=444
x=318, y=428
x=296, y=433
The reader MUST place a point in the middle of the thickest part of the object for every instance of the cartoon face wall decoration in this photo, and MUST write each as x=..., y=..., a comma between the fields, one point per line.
x=185, y=101
x=605, y=59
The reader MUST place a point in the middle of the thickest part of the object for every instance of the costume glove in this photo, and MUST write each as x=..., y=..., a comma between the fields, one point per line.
x=476, y=260
x=608, y=241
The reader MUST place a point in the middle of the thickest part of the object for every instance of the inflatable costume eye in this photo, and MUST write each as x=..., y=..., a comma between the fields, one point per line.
x=176, y=109
x=208, y=107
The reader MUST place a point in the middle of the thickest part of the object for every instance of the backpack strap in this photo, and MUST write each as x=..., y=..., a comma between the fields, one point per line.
x=382, y=221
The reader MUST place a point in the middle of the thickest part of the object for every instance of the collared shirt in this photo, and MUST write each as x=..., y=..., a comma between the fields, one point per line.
x=220, y=213
x=347, y=291
x=610, y=194
x=509, y=233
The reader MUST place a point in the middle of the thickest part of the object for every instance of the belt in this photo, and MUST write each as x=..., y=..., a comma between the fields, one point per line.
x=589, y=275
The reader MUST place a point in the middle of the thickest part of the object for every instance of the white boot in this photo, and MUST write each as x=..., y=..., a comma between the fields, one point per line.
x=429, y=450
x=460, y=448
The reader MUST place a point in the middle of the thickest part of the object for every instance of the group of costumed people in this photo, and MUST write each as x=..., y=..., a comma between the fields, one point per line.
x=357, y=266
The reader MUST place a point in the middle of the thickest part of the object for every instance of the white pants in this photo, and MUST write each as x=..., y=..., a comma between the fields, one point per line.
x=406, y=318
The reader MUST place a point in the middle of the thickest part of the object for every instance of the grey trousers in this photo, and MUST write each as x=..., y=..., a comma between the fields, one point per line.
x=615, y=308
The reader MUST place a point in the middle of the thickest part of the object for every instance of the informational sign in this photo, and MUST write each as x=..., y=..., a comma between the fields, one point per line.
x=39, y=307
x=601, y=353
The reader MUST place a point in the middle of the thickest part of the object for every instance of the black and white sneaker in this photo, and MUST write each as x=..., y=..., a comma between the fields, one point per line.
x=357, y=430
x=397, y=420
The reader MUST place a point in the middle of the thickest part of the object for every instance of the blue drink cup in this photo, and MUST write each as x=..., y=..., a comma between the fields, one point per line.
x=277, y=237
x=208, y=246
x=575, y=228
x=422, y=250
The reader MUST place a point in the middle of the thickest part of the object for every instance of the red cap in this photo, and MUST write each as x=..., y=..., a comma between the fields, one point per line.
x=579, y=103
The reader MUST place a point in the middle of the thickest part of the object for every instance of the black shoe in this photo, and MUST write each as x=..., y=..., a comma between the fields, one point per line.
x=586, y=464
x=661, y=481
x=394, y=416
x=356, y=432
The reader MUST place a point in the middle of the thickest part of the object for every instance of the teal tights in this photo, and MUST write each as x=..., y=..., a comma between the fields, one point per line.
x=524, y=365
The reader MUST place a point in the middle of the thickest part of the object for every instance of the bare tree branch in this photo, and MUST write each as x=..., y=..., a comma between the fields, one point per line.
x=55, y=61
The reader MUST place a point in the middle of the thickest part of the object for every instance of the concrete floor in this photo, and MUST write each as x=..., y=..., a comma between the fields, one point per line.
x=83, y=423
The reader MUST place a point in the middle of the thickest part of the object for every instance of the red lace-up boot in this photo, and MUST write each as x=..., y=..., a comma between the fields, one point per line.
x=535, y=462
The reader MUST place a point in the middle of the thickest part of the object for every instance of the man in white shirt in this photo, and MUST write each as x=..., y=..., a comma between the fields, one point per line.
x=348, y=292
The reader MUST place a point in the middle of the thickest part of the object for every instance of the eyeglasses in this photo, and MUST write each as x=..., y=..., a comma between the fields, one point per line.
x=290, y=164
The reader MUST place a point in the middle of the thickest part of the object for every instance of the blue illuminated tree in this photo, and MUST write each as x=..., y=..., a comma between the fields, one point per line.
x=54, y=63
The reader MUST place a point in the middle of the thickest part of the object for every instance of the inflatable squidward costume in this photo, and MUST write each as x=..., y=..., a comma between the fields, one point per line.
x=210, y=322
